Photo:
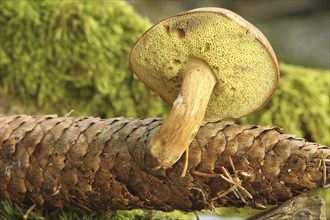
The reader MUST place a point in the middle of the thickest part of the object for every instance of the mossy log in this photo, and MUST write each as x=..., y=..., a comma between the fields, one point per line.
x=106, y=164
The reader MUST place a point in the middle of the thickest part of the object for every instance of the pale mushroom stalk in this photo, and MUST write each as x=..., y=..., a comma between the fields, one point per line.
x=186, y=115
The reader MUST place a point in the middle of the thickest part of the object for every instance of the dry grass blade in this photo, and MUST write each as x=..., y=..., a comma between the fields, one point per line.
x=325, y=164
x=26, y=215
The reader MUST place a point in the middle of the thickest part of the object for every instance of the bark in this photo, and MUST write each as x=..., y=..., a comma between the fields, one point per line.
x=106, y=164
x=299, y=207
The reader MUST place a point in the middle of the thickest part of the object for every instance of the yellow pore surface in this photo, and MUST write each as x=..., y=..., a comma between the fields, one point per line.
x=246, y=72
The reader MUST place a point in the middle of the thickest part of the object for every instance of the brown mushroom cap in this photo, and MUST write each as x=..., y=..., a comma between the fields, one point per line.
x=239, y=55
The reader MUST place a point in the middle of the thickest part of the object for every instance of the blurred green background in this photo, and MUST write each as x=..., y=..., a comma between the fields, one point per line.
x=58, y=56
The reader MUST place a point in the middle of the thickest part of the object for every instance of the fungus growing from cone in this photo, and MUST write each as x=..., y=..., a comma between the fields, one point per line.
x=209, y=64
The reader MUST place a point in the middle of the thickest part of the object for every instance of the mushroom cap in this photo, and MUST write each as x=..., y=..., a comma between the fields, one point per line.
x=239, y=55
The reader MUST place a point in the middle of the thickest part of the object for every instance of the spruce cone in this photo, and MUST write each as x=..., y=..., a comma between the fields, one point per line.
x=105, y=164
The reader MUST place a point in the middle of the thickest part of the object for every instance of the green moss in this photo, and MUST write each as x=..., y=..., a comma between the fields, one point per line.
x=300, y=105
x=63, y=55
x=10, y=212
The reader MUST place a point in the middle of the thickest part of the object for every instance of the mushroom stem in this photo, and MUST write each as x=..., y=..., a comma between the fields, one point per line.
x=186, y=115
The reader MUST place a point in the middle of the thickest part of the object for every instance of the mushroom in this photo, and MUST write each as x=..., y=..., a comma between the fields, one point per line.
x=209, y=64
